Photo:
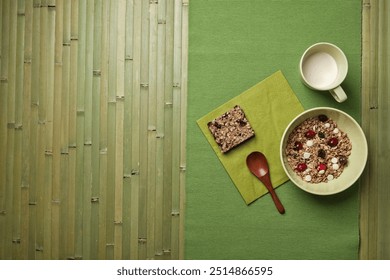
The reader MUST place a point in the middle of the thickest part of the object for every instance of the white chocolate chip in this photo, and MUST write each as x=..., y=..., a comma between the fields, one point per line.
x=327, y=125
x=330, y=177
x=335, y=166
x=307, y=178
x=306, y=155
x=309, y=143
x=334, y=160
x=321, y=172
x=336, y=130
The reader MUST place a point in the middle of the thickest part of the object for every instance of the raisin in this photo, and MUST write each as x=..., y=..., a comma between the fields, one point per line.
x=323, y=118
x=343, y=160
x=321, y=153
x=242, y=122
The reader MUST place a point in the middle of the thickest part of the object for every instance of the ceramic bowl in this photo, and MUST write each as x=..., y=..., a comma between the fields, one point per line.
x=356, y=161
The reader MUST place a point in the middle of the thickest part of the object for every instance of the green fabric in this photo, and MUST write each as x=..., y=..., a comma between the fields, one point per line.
x=269, y=106
x=234, y=44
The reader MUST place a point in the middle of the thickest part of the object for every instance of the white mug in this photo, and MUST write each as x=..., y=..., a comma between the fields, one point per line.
x=323, y=67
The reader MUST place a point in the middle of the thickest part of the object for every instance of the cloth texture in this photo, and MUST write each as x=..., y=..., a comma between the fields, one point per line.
x=233, y=45
x=269, y=106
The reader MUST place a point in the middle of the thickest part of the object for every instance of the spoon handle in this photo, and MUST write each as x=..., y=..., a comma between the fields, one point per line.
x=267, y=182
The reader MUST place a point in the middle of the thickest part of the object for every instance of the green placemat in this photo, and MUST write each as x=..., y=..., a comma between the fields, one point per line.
x=269, y=106
x=232, y=46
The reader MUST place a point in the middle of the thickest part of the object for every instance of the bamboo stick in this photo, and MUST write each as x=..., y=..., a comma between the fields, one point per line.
x=96, y=88
x=103, y=136
x=17, y=173
x=118, y=200
x=1, y=28
x=10, y=136
x=120, y=48
x=80, y=133
x=3, y=123
x=160, y=84
x=38, y=185
x=42, y=110
x=143, y=132
x=49, y=15
x=73, y=129
x=373, y=130
x=127, y=134
x=364, y=193
x=14, y=133
x=120, y=95
x=135, y=131
x=79, y=186
x=111, y=138
x=33, y=162
x=64, y=127
x=56, y=10
x=85, y=232
x=26, y=177
x=152, y=122
x=372, y=139
x=383, y=128
x=176, y=129
x=110, y=182
x=168, y=137
x=53, y=136
x=183, y=119
x=86, y=208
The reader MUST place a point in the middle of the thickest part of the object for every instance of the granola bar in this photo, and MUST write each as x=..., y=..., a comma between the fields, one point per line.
x=231, y=129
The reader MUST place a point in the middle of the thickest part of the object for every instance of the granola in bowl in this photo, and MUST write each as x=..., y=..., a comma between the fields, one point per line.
x=318, y=150
x=351, y=142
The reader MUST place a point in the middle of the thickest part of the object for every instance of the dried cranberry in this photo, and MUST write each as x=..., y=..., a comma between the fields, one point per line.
x=310, y=134
x=301, y=167
x=333, y=142
x=321, y=166
x=323, y=118
x=298, y=146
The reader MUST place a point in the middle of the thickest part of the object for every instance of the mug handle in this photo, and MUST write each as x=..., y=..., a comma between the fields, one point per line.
x=339, y=94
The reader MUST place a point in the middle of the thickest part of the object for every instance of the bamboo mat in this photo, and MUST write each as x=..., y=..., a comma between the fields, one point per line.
x=92, y=126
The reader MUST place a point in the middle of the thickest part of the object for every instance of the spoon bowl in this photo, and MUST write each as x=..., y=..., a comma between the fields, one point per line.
x=258, y=165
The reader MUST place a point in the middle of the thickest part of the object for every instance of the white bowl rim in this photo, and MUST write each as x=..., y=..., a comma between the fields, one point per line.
x=357, y=173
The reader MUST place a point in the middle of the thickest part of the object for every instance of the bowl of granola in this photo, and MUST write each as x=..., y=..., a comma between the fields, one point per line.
x=323, y=151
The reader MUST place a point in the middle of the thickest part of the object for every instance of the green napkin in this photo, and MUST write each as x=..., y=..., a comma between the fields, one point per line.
x=269, y=106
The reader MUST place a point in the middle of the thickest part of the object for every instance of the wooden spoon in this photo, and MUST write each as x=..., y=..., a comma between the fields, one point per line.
x=258, y=165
